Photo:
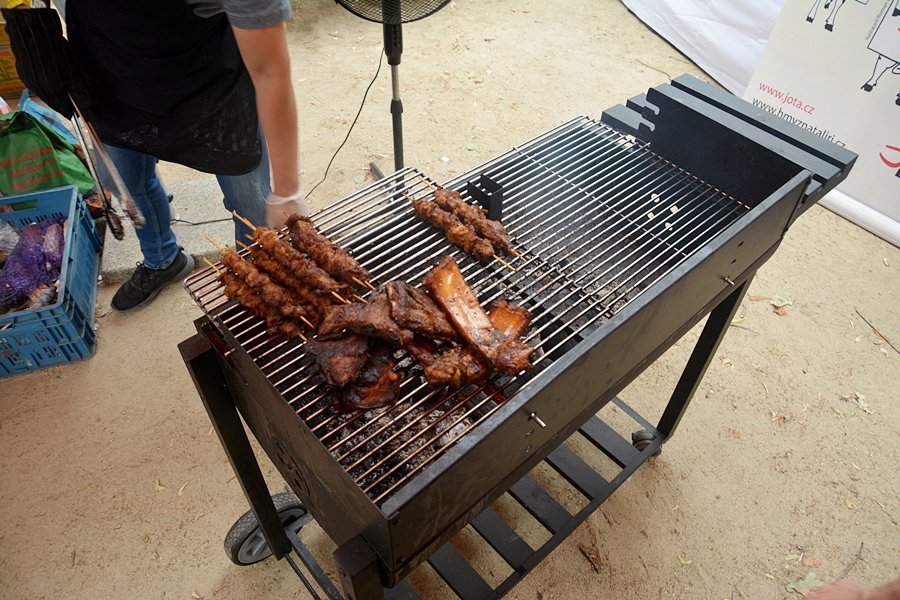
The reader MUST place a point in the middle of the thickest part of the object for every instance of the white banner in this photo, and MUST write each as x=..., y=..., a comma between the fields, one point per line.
x=832, y=67
x=725, y=39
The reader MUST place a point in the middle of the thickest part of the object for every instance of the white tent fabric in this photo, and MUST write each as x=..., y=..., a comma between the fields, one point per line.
x=725, y=39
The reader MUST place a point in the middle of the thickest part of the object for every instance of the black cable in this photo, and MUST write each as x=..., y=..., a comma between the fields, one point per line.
x=359, y=112
x=201, y=222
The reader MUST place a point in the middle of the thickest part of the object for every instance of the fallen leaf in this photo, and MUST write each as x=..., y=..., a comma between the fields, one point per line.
x=727, y=362
x=848, y=503
x=146, y=538
x=753, y=298
x=181, y=489
x=809, y=561
x=884, y=260
x=736, y=434
x=781, y=302
x=683, y=561
x=883, y=351
x=738, y=320
x=805, y=585
x=158, y=486
x=780, y=311
x=861, y=403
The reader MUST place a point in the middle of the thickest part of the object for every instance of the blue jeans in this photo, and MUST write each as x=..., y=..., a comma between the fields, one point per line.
x=244, y=194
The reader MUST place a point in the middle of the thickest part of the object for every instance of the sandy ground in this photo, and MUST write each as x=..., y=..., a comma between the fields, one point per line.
x=784, y=468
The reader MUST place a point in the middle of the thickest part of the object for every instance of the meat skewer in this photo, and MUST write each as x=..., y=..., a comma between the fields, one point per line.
x=330, y=257
x=315, y=304
x=474, y=217
x=457, y=233
x=255, y=229
x=296, y=264
x=271, y=292
x=235, y=289
x=451, y=292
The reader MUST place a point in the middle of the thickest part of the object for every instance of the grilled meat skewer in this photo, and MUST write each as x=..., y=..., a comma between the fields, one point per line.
x=330, y=257
x=457, y=233
x=275, y=295
x=236, y=289
x=474, y=217
x=296, y=265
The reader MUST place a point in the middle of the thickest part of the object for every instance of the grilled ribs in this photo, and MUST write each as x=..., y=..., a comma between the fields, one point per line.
x=450, y=290
x=460, y=365
x=412, y=309
x=376, y=386
x=340, y=360
x=372, y=319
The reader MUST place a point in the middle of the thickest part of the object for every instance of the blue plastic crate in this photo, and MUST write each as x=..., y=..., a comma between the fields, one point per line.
x=62, y=332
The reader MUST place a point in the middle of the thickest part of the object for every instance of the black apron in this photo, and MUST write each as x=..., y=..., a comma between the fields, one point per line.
x=152, y=76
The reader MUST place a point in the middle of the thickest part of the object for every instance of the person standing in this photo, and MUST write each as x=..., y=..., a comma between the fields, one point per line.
x=203, y=83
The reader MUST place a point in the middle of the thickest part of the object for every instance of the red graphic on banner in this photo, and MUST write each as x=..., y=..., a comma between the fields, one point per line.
x=892, y=165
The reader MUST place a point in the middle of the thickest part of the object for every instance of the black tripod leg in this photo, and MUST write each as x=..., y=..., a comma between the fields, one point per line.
x=209, y=380
x=713, y=332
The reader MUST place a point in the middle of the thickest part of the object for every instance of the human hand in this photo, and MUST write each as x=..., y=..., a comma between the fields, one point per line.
x=279, y=208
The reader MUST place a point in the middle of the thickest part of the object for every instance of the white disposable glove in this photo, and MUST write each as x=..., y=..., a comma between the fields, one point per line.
x=279, y=208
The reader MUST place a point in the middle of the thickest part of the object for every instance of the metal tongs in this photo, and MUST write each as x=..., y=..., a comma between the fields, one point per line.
x=124, y=196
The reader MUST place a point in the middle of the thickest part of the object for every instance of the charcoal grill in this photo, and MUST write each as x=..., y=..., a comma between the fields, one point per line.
x=631, y=229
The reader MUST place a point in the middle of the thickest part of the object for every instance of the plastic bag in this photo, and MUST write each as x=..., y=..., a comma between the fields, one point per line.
x=35, y=157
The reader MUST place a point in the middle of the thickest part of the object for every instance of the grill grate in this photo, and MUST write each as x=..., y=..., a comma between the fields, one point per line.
x=597, y=218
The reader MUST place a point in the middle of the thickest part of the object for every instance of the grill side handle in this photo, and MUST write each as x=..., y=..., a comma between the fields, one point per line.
x=729, y=143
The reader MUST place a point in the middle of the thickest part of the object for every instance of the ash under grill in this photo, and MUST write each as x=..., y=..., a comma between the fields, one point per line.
x=597, y=218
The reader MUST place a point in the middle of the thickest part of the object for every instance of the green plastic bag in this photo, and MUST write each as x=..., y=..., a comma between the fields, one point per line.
x=34, y=157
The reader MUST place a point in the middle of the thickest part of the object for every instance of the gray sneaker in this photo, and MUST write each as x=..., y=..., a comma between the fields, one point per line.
x=145, y=284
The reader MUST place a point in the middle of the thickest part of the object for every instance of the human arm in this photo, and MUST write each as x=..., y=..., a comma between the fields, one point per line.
x=265, y=54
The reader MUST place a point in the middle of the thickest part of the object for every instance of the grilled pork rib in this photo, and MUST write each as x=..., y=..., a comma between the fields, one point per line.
x=340, y=360
x=450, y=290
x=412, y=309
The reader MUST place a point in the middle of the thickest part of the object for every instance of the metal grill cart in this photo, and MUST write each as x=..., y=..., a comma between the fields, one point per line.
x=631, y=230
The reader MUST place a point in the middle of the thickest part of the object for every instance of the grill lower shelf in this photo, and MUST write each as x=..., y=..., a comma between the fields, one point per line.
x=533, y=494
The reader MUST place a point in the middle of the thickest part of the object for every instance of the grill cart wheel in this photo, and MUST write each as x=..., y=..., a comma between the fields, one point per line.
x=641, y=439
x=245, y=543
